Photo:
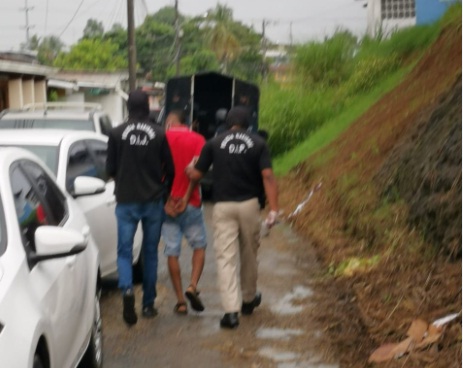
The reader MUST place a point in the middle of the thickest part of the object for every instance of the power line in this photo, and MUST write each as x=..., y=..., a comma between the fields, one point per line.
x=46, y=17
x=70, y=21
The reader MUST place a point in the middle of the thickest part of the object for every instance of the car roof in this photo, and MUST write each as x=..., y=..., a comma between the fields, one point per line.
x=49, y=114
x=51, y=137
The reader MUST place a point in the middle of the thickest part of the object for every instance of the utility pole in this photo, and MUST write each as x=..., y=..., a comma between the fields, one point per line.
x=291, y=34
x=27, y=8
x=177, y=41
x=132, y=48
x=264, y=50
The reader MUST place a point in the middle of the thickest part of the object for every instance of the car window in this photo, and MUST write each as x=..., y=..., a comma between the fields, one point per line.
x=98, y=150
x=37, y=200
x=55, y=200
x=69, y=124
x=11, y=124
x=80, y=163
x=48, y=154
x=105, y=124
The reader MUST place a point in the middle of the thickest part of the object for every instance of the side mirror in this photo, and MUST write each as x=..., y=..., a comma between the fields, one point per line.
x=55, y=242
x=86, y=185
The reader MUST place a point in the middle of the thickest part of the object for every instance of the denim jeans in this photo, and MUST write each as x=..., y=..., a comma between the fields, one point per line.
x=151, y=215
x=189, y=224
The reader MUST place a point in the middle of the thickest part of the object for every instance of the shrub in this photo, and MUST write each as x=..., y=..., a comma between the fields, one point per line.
x=291, y=115
x=327, y=63
x=368, y=71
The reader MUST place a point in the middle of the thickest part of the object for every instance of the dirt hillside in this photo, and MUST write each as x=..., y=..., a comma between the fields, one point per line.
x=386, y=222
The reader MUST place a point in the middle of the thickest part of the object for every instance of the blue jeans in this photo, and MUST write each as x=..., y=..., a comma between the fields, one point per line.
x=151, y=215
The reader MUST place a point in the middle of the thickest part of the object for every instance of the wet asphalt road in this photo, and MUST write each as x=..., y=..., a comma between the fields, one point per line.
x=278, y=334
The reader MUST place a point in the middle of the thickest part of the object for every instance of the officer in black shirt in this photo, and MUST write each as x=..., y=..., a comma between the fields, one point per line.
x=140, y=161
x=242, y=163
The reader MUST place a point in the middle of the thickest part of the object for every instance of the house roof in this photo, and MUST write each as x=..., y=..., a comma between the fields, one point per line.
x=23, y=68
x=92, y=79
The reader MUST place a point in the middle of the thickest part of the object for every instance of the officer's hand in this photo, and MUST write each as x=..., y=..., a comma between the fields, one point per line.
x=271, y=219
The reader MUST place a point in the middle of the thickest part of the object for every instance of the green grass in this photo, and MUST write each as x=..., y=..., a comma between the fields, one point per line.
x=334, y=127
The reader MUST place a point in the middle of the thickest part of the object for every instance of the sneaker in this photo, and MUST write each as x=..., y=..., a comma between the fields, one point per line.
x=129, y=315
x=248, y=308
x=149, y=312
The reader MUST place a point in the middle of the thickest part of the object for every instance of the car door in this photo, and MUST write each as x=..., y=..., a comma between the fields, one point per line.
x=58, y=286
x=85, y=158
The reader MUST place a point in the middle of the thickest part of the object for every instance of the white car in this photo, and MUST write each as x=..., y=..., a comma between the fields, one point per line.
x=80, y=157
x=49, y=282
x=58, y=115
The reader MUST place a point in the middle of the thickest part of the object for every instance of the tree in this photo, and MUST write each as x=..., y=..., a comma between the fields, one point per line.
x=118, y=36
x=166, y=15
x=154, y=42
x=92, y=54
x=93, y=29
x=201, y=61
x=221, y=40
x=47, y=48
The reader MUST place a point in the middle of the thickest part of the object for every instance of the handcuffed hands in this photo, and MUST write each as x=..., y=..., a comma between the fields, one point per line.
x=174, y=206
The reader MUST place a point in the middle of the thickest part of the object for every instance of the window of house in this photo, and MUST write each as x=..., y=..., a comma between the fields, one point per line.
x=397, y=9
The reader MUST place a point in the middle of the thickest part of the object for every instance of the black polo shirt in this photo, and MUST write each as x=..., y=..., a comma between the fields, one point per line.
x=140, y=161
x=238, y=158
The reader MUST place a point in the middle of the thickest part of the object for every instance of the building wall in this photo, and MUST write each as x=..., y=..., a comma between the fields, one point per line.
x=428, y=11
x=15, y=93
x=386, y=16
x=112, y=104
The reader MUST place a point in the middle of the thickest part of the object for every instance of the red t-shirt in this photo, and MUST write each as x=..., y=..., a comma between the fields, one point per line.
x=184, y=145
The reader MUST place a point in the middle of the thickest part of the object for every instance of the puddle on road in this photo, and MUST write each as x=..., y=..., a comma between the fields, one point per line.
x=277, y=356
x=277, y=333
x=287, y=304
x=287, y=359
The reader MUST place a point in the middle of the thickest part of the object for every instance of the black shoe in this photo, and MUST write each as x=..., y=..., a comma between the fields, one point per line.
x=229, y=320
x=248, y=308
x=149, y=312
x=130, y=317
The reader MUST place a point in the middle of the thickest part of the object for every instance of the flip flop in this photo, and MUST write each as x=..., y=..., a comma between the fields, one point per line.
x=181, y=308
x=193, y=297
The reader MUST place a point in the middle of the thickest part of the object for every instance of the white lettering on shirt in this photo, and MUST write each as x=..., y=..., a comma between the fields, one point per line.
x=141, y=137
x=237, y=148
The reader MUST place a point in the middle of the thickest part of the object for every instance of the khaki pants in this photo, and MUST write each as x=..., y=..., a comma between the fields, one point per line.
x=236, y=241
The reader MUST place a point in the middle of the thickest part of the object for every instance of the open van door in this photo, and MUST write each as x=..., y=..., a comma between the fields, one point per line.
x=201, y=95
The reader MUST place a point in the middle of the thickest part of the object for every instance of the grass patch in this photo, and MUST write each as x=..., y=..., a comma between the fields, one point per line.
x=334, y=127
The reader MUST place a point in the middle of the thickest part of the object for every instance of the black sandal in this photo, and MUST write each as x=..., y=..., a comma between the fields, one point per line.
x=178, y=309
x=193, y=297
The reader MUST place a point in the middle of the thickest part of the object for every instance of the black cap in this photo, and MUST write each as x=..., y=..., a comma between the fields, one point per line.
x=138, y=104
x=238, y=115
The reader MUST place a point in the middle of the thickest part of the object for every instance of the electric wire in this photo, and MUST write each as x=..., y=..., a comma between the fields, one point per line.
x=72, y=18
x=46, y=18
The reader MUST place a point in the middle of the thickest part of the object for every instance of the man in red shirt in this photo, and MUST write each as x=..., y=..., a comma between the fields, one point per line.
x=185, y=146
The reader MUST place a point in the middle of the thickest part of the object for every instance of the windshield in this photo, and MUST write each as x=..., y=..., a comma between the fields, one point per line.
x=44, y=123
x=48, y=154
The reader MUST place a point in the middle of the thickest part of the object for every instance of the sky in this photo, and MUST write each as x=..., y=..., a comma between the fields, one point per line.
x=285, y=20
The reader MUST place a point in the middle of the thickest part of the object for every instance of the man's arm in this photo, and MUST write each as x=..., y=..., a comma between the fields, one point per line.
x=167, y=165
x=195, y=176
x=111, y=157
x=271, y=190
